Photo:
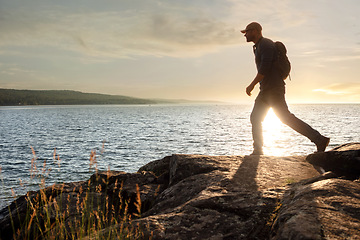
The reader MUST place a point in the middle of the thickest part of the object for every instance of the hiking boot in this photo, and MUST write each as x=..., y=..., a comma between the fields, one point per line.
x=322, y=144
x=257, y=152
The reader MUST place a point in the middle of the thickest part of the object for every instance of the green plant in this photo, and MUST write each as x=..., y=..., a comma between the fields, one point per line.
x=290, y=181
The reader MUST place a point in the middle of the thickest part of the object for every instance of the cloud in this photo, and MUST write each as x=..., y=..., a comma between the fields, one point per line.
x=138, y=27
x=18, y=76
x=330, y=92
x=340, y=58
x=117, y=33
x=14, y=69
x=350, y=89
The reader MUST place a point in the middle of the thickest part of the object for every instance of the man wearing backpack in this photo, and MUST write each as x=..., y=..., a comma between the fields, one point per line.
x=272, y=92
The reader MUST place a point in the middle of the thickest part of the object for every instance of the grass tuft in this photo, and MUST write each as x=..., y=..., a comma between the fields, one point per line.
x=85, y=211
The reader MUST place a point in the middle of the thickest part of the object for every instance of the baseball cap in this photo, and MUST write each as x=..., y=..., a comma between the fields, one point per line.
x=253, y=25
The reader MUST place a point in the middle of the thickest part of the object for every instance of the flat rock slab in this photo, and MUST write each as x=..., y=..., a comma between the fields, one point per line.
x=221, y=197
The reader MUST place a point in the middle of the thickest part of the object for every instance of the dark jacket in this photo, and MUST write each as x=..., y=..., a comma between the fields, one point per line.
x=264, y=51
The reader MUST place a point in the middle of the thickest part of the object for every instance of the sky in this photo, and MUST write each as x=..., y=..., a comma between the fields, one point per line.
x=178, y=49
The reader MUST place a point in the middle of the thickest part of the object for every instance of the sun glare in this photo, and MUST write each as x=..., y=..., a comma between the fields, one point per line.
x=271, y=120
x=272, y=130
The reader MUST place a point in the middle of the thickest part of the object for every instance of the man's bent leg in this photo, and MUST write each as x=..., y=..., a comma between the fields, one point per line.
x=256, y=118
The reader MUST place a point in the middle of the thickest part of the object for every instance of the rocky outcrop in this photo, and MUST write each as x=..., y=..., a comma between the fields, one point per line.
x=222, y=197
x=327, y=206
x=209, y=197
x=321, y=208
x=343, y=160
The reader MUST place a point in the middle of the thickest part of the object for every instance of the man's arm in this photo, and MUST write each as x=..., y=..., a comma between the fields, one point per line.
x=259, y=77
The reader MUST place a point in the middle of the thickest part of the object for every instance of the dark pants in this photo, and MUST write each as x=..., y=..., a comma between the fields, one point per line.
x=275, y=99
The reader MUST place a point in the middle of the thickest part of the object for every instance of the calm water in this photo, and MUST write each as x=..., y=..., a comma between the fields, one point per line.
x=127, y=137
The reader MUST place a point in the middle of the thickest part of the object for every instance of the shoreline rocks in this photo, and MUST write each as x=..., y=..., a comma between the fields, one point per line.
x=343, y=160
x=220, y=197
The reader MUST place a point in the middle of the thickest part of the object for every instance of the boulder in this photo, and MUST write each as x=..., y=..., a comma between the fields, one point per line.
x=322, y=208
x=220, y=197
x=326, y=206
x=343, y=160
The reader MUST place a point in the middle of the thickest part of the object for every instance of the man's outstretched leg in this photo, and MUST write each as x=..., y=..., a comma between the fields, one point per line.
x=281, y=110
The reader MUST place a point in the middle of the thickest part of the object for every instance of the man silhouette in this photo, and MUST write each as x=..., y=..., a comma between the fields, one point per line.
x=272, y=93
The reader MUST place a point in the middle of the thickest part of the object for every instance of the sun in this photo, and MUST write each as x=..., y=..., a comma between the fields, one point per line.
x=271, y=121
x=272, y=132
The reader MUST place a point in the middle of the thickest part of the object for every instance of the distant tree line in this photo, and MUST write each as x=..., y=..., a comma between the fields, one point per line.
x=11, y=97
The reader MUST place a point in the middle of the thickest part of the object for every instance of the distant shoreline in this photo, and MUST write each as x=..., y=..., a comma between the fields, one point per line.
x=14, y=97
x=17, y=97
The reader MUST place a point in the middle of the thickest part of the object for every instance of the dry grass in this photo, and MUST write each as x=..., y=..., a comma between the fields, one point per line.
x=87, y=211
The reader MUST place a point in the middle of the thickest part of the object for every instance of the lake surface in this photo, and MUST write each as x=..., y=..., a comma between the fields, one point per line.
x=55, y=142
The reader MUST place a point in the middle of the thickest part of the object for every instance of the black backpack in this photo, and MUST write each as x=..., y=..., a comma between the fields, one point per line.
x=282, y=61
